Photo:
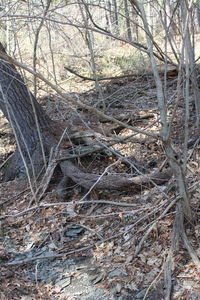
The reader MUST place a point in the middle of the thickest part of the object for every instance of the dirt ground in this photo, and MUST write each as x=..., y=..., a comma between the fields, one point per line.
x=115, y=244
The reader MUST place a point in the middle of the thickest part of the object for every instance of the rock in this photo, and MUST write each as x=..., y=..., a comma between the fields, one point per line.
x=117, y=273
x=62, y=283
x=141, y=294
x=96, y=277
x=74, y=231
x=194, y=296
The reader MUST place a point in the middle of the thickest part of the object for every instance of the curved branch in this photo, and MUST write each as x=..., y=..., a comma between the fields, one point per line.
x=170, y=72
x=99, y=78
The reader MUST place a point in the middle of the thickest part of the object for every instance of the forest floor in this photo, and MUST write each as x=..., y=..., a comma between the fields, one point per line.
x=113, y=249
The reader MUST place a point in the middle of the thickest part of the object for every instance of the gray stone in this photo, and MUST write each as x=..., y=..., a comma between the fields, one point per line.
x=64, y=282
x=140, y=294
x=117, y=273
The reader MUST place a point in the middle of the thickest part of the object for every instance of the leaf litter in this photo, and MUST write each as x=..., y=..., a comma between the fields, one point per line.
x=58, y=250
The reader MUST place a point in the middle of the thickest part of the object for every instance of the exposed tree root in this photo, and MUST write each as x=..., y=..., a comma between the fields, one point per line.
x=113, y=181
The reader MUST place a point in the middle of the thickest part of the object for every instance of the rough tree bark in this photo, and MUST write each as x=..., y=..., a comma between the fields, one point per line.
x=30, y=124
x=36, y=134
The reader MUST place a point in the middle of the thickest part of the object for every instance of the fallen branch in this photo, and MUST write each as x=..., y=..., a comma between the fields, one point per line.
x=47, y=205
x=47, y=256
x=178, y=232
x=113, y=181
x=56, y=255
x=99, y=78
x=71, y=99
x=145, y=74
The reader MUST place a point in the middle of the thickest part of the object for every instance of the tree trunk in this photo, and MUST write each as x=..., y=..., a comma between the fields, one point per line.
x=31, y=126
x=35, y=136
x=128, y=25
x=115, y=17
x=198, y=14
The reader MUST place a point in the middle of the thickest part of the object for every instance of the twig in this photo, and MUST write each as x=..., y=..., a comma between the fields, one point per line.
x=92, y=230
x=136, y=45
x=13, y=197
x=52, y=255
x=109, y=202
x=190, y=250
x=151, y=284
x=46, y=205
x=171, y=204
x=71, y=99
x=139, y=246
x=36, y=43
x=2, y=165
x=174, y=245
x=46, y=179
x=48, y=256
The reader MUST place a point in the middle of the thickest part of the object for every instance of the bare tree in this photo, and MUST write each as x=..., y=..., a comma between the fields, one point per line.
x=183, y=207
x=128, y=24
x=36, y=134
